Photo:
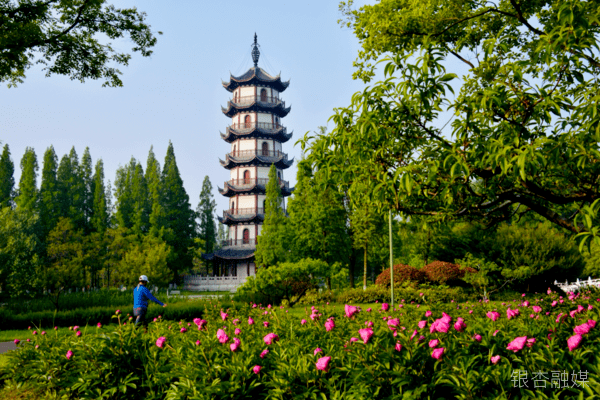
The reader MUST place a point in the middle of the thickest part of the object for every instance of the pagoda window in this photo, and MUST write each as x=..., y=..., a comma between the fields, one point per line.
x=232, y=206
x=247, y=121
x=265, y=148
x=263, y=95
x=235, y=97
x=246, y=236
x=246, y=177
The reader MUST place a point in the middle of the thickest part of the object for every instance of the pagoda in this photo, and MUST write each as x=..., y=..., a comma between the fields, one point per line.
x=256, y=136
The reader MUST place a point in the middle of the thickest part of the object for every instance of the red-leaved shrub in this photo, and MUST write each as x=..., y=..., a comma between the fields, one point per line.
x=445, y=272
x=402, y=273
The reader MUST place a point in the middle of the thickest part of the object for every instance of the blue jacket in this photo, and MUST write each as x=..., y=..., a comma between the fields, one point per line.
x=141, y=295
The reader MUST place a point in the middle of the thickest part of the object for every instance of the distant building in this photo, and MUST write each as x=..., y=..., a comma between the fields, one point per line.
x=256, y=136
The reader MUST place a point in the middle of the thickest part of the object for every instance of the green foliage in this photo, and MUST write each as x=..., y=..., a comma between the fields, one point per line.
x=180, y=219
x=287, y=281
x=592, y=261
x=65, y=36
x=49, y=204
x=71, y=189
x=87, y=190
x=7, y=180
x=100, y=216
x=133, y=207
x=206, y=213
x=20, y=251
x=28, y=192
x=272, y=244
x=522, y=89
x=402, y=273
x=535, y=255
x=147, y=255
x=155, y=194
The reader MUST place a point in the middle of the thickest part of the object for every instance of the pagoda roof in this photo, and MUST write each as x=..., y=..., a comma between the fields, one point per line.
x=230, y=254
x=232, y=219
x=278, y=108
x=280, y=134
x=252, y=186
x=280, y=161
x=256, y=76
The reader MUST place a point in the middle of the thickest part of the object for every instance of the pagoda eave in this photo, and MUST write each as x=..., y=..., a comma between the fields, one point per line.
x=250, y=218
x=256, y=161
x=255, y=76
x=281, y=136
x=277, y=109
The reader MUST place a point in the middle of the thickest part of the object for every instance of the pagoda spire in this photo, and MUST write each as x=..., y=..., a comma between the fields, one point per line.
x=255, y=52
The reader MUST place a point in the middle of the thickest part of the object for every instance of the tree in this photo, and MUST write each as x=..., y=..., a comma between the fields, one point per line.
x=147, y=255
x=28, y=192
x=100, y=215
x=180, y=219
x=49, y=204
x=68, y=37
x=207, y=229
x=7, y=180
x=20, y=251
x=272, y=246
x=525, y=130
x=67, y=266
x=133, y=206
x=87, y=190
x=71, y=189
x=155, y=194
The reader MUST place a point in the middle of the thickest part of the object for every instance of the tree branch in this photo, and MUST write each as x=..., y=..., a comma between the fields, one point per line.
x=523, y=20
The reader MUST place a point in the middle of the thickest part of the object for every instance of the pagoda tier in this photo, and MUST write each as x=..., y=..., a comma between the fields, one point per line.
x=255, y=104
x=243, y=158
x=252, y=186
x=254, y=130
x=256, y=76
x=243, y=215
x=230, y=254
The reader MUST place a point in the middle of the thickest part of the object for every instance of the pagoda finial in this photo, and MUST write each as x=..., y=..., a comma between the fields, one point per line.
x=255, y=52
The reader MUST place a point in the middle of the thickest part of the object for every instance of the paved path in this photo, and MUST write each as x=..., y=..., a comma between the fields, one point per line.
x=7, y=346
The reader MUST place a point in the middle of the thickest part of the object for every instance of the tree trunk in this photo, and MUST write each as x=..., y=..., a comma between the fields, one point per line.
x=365, y=270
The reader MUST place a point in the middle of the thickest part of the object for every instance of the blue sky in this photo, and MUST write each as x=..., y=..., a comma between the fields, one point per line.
x=176, y=94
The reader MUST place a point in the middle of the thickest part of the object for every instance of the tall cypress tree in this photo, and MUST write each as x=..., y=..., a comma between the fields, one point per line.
x=7, y=179
x=155, y=194
x=272, y=246
x=206, y=212
x=49, y=192
x=99, y=219
x=71, y=187
x=180, y=218
x=124, y=205
x=87, y=190
x=139, y=194
x=28, y=191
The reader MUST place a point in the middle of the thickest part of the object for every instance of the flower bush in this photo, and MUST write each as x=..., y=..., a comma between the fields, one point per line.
x=402, y=273
x=445, y=272
x=460, y=352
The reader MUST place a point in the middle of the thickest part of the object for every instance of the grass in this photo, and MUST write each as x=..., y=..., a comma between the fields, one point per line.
x=23, y=334
x=196, y=293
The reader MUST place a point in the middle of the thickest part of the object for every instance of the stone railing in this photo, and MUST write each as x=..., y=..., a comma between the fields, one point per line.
x=212, y=283
x=577, y=286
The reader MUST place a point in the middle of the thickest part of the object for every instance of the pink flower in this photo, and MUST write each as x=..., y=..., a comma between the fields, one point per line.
x=591, y=323
x=495, y=359
x=460, y=324
x=34, y=333
x=422, y=324
x=572, y=313
x=496, y=331
x=266, y=324
x=369, y=324
x=78, y=333
x=421, y=294
x=523, y=295
x=427, y=314
x=183, y=330
x=256, y=369
x=250, y=321
x=446, y=318
x=517, y=344
x=264, y=353
x=224, y=315
x=16, y=341
x=323, y=363
x=351, y=310
x=477, y=337
x=434, y=343
x=69, y=354
x=554, y=303
x=44, y=332
x=413, y=334
x=530, y=342
x=317, y=350
x=369, y=309
x=470, y=311
x=580, y=308
x=303, y=322
x=365, y=334
x=493, y=315
x=99, y=325
x=398, y=346
x=118, y=312
x=329, y=325
x=160, y=342
x=439, y=326
x=37, y=346
x=393, y=322
x=385, y=307
x=512, y=313
x=574, y=341
x=590, y=307
x=437, y=353
x=197, y=343
x=270, y=338
x=582, y=329
x=353, y=339
x=237, y=331
x=560, y=317
x=525, y=303
x=222, y=336
x=235, y=345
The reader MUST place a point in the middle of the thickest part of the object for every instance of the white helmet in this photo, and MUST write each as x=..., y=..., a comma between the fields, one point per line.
x=143, y=278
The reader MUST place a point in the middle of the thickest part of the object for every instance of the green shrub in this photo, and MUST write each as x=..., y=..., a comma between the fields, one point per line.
x=408, y=292
x=402, y=273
